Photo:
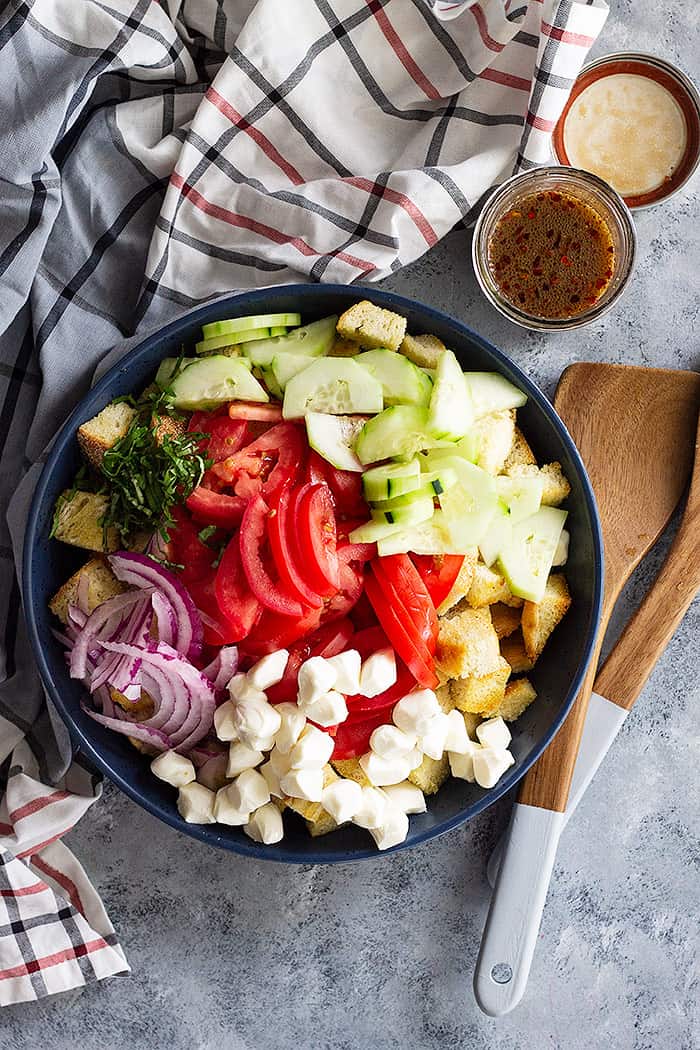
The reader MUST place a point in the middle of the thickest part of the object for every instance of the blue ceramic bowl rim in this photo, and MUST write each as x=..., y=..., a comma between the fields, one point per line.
x=205, y=832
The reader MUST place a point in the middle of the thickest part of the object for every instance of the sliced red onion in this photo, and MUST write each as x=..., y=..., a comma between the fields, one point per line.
x=223, y=667
x=83, y=593
x=65, y=641
x=121, y=672
x=202, y=753
x=141, y=571
x=138, y=730
x=166, y=620
x=103, y=618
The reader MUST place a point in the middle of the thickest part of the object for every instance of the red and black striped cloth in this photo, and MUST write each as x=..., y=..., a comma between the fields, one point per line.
x=158, y=155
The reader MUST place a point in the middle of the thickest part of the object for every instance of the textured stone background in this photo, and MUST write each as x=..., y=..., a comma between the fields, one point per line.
x=230, y=953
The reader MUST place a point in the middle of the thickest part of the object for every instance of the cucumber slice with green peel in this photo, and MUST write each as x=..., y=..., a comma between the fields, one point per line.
x=521, y=496
x=491, y=392
x=248, y=324
x=333, y=437
x=525, y=562
x=440, y=481
x=313, y=340
x=429, y=537
x=397, y=431
x=469, y=506
x=332, y=384
x=402, y=383
x=211, y=380
x=217, y=341
x=372, y=532
x=393, y=512
x=270, y=382
x=394, y=479
x=284, y=366
x=278, y=330
x=450, y=411
x=498, y=535
x=168, y=369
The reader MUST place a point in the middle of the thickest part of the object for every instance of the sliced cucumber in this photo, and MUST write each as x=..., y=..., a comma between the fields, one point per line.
x=526, y=560
x=333, y=437
x=248, y=324
x=313, y=340
x=211, y=380
x=419, y=508
x=270, y=381
x=372, y=532
x=450, y=412
x=278, y=330
x=441, y=480
x=429, y=537
x=397, y=431
x=284, y=366
x=469, y=505
x=402, y=382
x=498, y=535
x=168, y=369
x=521, y=496
x=332, y=384
x=491, y=392
x=217, y=341
x=394, y=479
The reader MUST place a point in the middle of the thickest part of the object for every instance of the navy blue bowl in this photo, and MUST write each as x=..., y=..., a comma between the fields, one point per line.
x=558, y=673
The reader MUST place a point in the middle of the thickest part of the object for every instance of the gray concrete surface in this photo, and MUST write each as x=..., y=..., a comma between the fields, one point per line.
x=234, y=954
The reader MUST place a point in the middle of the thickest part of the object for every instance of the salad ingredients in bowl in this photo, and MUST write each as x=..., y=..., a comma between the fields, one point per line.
x=323, y=561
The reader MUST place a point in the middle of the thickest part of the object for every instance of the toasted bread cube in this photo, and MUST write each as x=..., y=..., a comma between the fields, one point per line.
x=168, y=426
x=351, y=769
x=539, y=620
x=431, y=774
x=471, y=721
x=371, y=326
x=312, y=811
x=489, y=587
x=481, y=695
x=101, y=584
x=143, y=747
x=519, y=695
x=104, y=430
x=423, y=350
x=140, y=709
x=556, y=487
x=513, y=650
x=444, y=697
x=78, y=521
x=343, y=348
x=467, y=644
x=460, y=588
x=520, y=455
x=322, y=825
x=495, y=433
x=505, y=619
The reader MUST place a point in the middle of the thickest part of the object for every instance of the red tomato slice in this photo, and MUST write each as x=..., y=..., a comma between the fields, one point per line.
x=360, y=707
x=327, y=641
x=409, y=647
x=262, y=413
x=315, y=522
x=215, y=508
x=346, y=486
x=218, y=630
x=253, y=536
x=279, y=632
x=438, y=572
x=352, y=738
x=340, y=604
x=315, y=468
x=271, y=461
x=369, y=640
x=225, y=436
x=237, y=604
x=362, y=614
x=401, y=582
x=187, y=549
x=281, y=528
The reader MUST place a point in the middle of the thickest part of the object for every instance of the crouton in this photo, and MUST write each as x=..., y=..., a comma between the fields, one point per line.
x=513, y=650
x=481, y=695
x=495, y=436
x=540, y=619
x=78, y=521
x=140, y=709
x=99, y=584
x=351, y=769
x=467, y=644
x=488, y=587
x=313, y=812
x=104, y=430
x=460, y=588
x=343, y=348
x=505, y=619
x=520, y=455
x=444, y=697
x=431, y=774
x=471, y=721
x=556, y=487
x=371, y=326
x=519, y=695
x=232, y=350
x=423, y=350
x=170, y=426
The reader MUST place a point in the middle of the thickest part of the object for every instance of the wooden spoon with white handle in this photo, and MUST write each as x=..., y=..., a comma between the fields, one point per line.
x=634, y=428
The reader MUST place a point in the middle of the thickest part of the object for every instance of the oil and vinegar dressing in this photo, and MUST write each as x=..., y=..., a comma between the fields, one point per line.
x=552, y=256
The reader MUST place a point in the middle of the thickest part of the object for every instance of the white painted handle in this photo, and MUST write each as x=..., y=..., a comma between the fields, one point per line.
x=513, y=922
x=603, y=722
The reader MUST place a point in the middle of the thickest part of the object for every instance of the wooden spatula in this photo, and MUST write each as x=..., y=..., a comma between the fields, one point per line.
x=635, y=429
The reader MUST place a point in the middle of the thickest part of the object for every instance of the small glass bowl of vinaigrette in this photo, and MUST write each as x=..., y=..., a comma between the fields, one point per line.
x=554, y=248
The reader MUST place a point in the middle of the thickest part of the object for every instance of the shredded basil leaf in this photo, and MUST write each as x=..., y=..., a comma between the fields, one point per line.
x=206, y=533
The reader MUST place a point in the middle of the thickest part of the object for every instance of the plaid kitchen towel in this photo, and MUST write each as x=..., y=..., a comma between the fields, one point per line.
x=159, y=155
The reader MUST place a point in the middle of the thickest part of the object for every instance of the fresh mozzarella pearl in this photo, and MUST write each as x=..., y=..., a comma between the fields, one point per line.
x=240, y=689
x=195, y=803
x=378, y=673
x=303, y=783
x=372, y=808
x=457, y=735
x=342, y=799
x=347, y=671
x=226, y=811
x=173, y=769
x=316, y=677
x=415, y=710
x=265, y=825
x=241, y=757
x=391, y=742
x=279, y=762
x=256, y=722
x=462, y=763
x=494, y=733
x=312, y=750
x=292, y=722
x=224, y=724
x=490, y=764
x=407, y=797
x=432, y=741
x=380, y=771
x=392, y=830
x=268, y=671
x=328, y=710
x=272, y=780
x=249, y=791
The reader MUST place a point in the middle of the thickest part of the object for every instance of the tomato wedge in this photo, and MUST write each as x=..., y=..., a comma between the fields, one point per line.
x=270, y=593
x=187, y=548
x=215, y=508
x=218, y=630
x=361, y=707
x=352, y=738
x=238, y=605
x=279, y=632
x=345, y=599
x=315, y=522
x=327, y=641
x=271, y=461
x=346, y=487
x=409, y=647
x=290, y=567
x=315, y=468
x=400, y=581
x=438, y=572
x=261, y=413
x=224, y=436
